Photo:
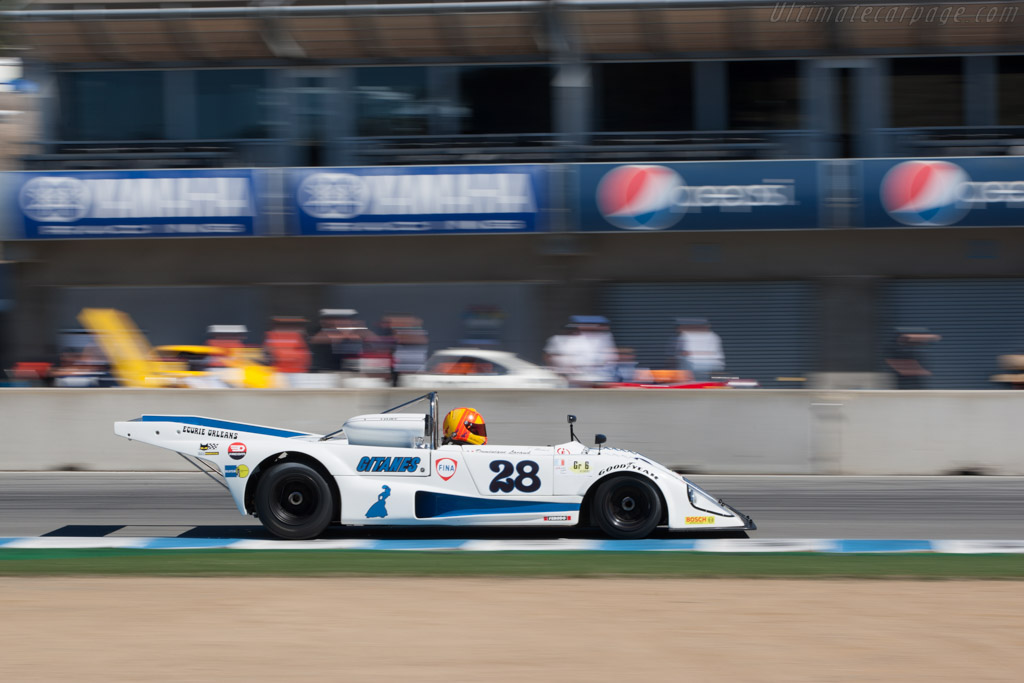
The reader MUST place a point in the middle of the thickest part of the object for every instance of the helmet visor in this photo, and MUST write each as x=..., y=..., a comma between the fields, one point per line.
x=479, y=430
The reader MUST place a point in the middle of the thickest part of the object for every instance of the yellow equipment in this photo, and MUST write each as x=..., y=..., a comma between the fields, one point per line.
x=136, y=364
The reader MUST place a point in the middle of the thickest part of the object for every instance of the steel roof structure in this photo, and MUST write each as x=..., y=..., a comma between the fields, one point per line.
x=134, y=32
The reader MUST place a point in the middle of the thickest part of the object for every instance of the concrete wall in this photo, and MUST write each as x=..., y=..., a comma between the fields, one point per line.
x=741, y=432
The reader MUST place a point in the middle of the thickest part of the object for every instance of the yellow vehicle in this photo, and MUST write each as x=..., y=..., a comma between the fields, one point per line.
x=136, y=364
x=236, y=367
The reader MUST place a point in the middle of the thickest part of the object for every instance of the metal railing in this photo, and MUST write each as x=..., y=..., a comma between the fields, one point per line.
x=952, y=141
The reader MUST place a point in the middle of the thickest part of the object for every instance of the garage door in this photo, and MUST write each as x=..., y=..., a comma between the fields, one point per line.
x=978, y=319
x=767, y=328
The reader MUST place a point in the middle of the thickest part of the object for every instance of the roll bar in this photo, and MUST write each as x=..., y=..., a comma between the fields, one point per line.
x=432, y=419
x=432, y=416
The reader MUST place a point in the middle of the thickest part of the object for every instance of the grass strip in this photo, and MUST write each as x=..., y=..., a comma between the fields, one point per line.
x=54, y=562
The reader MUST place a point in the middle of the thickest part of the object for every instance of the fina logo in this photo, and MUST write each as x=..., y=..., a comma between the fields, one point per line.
x=55, y=198
x=446, y=468
x=925, y=193
x=640, y=197
x=334, y=196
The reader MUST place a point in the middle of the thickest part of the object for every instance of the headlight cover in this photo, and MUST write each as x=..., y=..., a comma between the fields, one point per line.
x=701, y=500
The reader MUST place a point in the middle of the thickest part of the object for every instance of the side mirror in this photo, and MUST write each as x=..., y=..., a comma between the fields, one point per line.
x=600, y=439
x=571, y=419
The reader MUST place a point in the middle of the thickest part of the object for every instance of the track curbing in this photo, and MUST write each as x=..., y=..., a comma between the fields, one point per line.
x=734, y=545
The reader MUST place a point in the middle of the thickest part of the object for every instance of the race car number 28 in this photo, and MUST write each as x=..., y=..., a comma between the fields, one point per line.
x=522, y=476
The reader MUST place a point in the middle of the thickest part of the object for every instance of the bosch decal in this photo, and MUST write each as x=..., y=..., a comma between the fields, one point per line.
x=446, y=468
x=704, y=519
x=237, y=450
x=392, y=465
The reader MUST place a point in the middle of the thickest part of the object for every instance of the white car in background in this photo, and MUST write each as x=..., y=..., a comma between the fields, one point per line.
x=485, y=368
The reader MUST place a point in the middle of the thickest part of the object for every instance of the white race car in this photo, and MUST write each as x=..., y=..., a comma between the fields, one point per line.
x=391, y=469
x=481, y=368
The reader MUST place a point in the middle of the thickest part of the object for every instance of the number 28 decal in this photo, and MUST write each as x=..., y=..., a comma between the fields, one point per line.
x=522, y=476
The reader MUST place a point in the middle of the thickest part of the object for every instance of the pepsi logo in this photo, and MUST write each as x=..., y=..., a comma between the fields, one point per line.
x=446, y=468
x=237, y=450
x=925, y=193
x=641, y=197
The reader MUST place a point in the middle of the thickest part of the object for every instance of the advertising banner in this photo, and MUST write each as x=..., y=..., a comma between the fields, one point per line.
x=718, y=195
x=191, y=203
x=962, y=191
x=419, y=199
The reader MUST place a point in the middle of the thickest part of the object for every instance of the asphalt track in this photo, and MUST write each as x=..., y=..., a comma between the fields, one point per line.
x=191, y=505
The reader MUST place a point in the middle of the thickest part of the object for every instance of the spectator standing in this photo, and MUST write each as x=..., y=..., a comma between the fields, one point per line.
x=906, y=356
x=231, y=338
x=322, y=341
x=286, y=347
x=698, y=349
x=556, y=352
x=587, y=355
x=410, y=349
x=628, y=371
x=339, y=343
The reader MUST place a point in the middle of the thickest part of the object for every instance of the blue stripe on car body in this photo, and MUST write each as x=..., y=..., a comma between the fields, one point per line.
x=431, y=505
x=222, y=424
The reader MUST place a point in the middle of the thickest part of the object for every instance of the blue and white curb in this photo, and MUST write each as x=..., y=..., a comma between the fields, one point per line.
x=725, y=545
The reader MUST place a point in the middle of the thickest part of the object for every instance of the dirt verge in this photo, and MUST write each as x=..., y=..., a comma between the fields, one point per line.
x=434, y=629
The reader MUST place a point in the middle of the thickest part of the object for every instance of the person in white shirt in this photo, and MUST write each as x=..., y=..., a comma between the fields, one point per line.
x=698, y=349
x=587, y=354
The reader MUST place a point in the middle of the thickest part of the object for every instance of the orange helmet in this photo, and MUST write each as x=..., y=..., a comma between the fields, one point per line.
x=465, y=425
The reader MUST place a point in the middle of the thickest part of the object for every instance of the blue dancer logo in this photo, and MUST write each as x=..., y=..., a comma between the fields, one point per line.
x=379, y=509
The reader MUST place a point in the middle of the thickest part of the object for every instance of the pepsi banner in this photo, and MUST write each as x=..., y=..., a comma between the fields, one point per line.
x=969, y=192
x=419, y=199
x=192, y=203
x=718, y=195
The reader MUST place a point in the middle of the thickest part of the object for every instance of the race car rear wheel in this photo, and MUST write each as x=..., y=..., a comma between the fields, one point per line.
x=627, y=507
x=293, y=501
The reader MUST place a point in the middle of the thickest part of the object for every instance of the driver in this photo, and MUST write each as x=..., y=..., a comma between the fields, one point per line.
x=465, y=426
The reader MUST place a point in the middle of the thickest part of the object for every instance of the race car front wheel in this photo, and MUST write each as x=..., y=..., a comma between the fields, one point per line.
x=293, y=501
x=627, y=507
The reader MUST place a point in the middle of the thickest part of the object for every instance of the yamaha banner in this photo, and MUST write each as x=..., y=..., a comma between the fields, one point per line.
x=719, y=195
x=419, y=199
x=969, y=192
x=190, y=203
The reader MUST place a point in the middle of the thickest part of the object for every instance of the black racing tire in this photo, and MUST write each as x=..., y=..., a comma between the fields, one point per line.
x=627, y=507
x=293, y=501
